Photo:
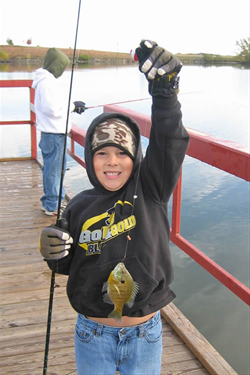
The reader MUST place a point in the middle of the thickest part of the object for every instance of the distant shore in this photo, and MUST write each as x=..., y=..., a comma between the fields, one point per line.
x=35, y=55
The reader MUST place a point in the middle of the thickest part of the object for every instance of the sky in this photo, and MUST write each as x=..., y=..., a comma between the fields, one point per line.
x=180, y=26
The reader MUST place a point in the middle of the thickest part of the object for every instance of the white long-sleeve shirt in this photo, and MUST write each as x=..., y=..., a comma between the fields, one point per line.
x=51, y=103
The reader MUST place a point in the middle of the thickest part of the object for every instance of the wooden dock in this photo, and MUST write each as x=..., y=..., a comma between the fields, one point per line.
x=25, y=283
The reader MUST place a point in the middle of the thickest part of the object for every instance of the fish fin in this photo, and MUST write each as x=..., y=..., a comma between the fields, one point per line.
x=135, y=290
x=107, y=299
x=117, y=289
x=105, y=287
x=116, y=315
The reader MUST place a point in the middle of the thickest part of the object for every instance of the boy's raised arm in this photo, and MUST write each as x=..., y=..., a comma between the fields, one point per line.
x=168, y=138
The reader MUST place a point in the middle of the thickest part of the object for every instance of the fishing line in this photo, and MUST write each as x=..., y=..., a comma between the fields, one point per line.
x=127, y=101
x=137, y=100
x=132, y=211
x=52, y=283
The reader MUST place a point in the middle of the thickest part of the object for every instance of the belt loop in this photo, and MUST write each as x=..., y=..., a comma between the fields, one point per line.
x=141, y=331
x=99, y=330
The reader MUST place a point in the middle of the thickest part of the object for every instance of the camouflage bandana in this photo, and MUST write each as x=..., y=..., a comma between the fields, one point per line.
x=114, y=132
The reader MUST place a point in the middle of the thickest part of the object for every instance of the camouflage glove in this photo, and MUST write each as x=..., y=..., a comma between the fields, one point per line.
x=54, y=243
x=160, y=68
x=79, y=107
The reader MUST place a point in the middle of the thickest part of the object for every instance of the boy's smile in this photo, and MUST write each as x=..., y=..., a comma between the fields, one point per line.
x=112, y=167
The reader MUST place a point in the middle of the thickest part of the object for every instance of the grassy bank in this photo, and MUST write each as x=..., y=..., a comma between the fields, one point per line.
x=206, y=58
x=27, y=54
x=22, y=54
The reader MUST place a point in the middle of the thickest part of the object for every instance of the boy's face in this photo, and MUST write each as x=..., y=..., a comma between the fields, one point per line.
x=112, y=167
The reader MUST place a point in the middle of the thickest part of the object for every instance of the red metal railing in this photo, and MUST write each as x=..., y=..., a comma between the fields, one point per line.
x=32, y=120
x=227, y=156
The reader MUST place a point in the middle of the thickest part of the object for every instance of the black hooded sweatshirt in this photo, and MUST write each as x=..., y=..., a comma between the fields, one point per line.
x=100, y=220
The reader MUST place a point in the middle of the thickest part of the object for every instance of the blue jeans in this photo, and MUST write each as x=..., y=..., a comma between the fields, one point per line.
x=103, y=350
x=52, y=146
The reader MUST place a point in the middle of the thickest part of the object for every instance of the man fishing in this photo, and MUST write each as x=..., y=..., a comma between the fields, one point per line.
x=51, y=116
x=114, y=244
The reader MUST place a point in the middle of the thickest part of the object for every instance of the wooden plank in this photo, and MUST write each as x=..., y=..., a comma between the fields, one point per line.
x=36, y=266
x=33, y=309
x=36, y=343
x=183, y=368
x=171, y=339
x=19, y=158
x=29, y=281
x=32, y=295
x=31, y=330
x=11, y=321
x=61, y=362
x=203, y=350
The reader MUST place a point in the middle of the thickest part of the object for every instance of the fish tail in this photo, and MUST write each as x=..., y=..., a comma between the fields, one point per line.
x=117, y=315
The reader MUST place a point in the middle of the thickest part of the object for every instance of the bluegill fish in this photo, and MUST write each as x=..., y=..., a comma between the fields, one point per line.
x=121, y=289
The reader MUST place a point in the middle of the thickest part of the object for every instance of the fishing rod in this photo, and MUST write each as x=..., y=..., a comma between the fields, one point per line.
x=127, y=101
x=137, y=100
x=58, y=221
x=66, y=129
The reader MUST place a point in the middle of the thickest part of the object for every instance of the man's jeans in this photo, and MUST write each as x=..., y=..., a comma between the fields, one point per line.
x=52, y=146
x=103, y=350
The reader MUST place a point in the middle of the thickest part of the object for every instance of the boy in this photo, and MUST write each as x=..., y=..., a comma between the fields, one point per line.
x=124, y=219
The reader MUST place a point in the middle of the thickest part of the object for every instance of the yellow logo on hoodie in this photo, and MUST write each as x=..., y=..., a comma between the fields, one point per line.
x=92, y=241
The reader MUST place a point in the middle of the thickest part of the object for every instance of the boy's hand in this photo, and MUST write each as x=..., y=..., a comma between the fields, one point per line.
x=159, y=66
x=54, y=243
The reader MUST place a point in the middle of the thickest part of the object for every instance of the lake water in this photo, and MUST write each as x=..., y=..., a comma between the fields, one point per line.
x=215, y=205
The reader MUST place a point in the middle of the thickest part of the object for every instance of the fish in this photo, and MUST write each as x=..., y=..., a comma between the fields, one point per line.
x=121, y=290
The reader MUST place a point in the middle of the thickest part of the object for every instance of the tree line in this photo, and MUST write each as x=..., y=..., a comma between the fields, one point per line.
x=243, y=46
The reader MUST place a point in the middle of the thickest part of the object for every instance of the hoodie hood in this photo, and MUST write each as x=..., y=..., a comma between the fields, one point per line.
x=55, y=61
x=88, y=154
